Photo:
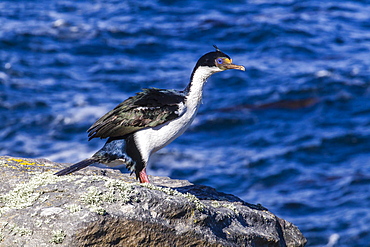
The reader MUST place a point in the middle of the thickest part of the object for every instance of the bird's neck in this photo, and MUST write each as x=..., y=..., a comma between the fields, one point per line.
x=194, y=90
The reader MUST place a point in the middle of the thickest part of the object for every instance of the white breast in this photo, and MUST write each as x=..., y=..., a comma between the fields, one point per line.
x=150, y=140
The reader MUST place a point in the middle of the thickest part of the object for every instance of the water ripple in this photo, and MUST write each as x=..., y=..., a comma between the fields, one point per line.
x=291, y=133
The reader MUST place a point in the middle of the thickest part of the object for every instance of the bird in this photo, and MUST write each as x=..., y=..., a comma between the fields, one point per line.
x=150, y=120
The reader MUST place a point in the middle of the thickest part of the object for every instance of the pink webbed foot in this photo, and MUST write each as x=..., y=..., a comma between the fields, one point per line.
x=143, y=177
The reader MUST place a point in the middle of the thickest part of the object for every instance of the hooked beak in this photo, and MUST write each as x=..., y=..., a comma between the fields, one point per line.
x=234, y=66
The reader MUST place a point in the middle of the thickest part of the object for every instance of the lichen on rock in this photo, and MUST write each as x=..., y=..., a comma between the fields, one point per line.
x=103, y=207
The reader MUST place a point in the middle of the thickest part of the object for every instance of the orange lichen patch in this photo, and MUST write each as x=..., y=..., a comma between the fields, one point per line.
x=23, y=162
x=20, y=163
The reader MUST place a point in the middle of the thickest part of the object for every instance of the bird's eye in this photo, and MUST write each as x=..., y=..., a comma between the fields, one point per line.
x=219, y=60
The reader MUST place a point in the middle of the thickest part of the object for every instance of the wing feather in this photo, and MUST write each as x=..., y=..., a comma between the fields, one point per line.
x=149, y=108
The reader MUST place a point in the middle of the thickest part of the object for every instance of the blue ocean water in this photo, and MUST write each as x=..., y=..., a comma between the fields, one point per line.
x=291, y=133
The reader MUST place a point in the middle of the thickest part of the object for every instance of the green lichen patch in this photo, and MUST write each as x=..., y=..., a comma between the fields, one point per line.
x=25, y=194
x=228, y=205
x=58, y=237
x=22, y=231
x=114, y=191
x=98, y=209
x=73, y=208
x=118, y=184
x=95, y=196
x=117, y=190
x=122, y=189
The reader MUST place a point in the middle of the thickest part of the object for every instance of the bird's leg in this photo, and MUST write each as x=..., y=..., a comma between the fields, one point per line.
x=143, y=177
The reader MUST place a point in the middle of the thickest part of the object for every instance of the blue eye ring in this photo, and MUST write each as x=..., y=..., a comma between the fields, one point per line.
x=219, y=60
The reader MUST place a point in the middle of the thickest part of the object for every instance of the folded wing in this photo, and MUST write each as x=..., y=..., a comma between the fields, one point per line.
x=149, y=108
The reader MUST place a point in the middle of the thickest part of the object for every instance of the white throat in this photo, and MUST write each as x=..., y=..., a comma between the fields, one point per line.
x=199, y=78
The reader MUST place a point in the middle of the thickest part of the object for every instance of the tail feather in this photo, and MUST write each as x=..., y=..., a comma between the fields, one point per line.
x=76, y=167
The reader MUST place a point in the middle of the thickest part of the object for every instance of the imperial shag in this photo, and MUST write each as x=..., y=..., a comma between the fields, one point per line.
x=150, y=120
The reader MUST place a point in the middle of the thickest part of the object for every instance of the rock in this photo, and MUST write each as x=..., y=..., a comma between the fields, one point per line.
x=103, y=207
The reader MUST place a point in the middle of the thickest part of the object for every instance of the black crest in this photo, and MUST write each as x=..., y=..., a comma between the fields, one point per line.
x=217, y=49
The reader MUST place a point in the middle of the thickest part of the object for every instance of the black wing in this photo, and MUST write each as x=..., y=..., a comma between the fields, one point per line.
x=149, y=108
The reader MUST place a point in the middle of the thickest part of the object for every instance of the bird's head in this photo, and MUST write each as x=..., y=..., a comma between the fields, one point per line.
x=217, y=61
